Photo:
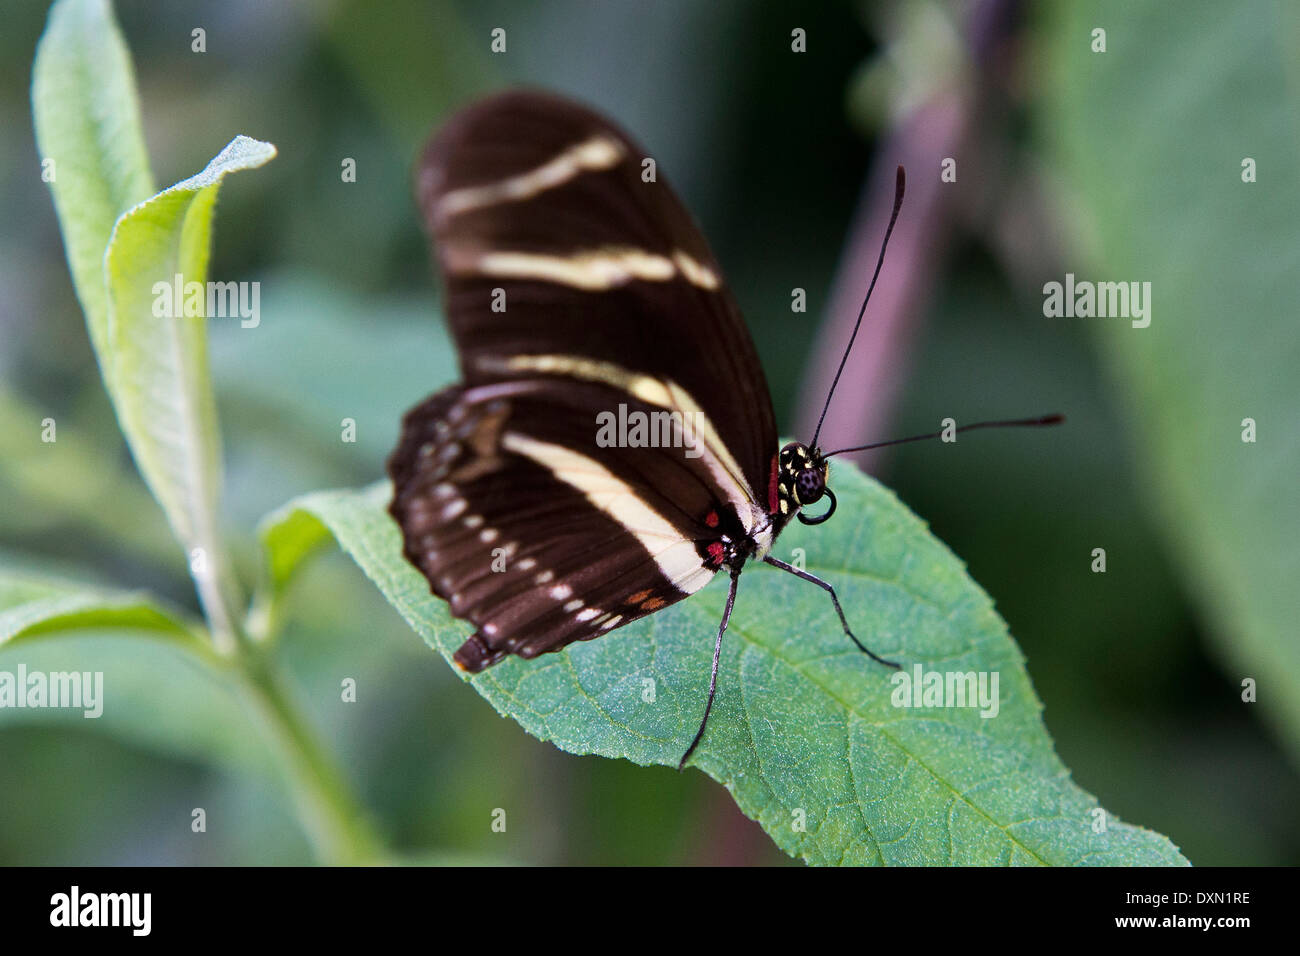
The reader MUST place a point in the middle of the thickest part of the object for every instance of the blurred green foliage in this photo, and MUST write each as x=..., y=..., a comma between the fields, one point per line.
x=763, y=148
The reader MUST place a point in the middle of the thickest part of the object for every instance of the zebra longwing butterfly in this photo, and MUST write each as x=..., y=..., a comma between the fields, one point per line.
x=579, y=292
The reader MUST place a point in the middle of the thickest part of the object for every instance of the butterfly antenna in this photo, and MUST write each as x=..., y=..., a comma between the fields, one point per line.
x=899, y=185
x=1012, y=423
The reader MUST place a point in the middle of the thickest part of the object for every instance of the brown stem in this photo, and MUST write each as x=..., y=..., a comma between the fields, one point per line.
x=939, y=128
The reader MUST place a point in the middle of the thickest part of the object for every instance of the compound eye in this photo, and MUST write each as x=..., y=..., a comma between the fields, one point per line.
x=810, y=486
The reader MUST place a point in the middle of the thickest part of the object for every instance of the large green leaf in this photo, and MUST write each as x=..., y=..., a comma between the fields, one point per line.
x=87, y=118
x=1152, y=150
x=154, y=360
x=161, y=384
x=803, y=729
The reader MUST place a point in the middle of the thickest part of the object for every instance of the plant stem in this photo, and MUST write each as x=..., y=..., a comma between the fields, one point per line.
x=338, y=827
x=335, y=822
x=218, y=594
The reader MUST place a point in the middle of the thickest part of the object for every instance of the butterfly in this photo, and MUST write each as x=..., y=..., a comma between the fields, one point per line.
x=612, y=444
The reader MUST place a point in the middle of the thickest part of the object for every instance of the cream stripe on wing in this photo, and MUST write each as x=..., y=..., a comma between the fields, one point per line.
x=593, y=270
x=597, y=153
x=676, y=556
x=722, y=465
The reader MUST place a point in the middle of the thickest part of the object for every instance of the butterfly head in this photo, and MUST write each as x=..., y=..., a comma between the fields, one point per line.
x=803, y=481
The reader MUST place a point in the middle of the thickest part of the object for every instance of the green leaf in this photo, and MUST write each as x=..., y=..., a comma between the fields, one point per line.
x=289, y=536
x=803, y=730
x=170, y=693
x=33, y=606
x=120, y=247
x=87, y=117
x=161, y=382
x=1152, y=153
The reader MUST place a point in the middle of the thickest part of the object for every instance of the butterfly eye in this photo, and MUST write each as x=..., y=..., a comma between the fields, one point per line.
x=810, y=485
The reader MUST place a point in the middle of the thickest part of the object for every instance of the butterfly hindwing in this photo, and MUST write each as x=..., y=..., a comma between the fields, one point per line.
x=535, y=534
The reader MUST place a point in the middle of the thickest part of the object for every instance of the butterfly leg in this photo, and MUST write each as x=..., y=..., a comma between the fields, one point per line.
x=825, y=586
x=713, y=678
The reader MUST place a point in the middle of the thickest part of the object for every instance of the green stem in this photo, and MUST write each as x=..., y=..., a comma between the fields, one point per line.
x=338, y=827
x=335, y=823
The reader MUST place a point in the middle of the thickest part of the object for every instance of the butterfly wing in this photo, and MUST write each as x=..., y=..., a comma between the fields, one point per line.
x=532, y=532
x=576, y=292
x=545, y=200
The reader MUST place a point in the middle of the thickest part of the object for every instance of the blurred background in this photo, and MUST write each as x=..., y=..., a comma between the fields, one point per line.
x=1122, y=165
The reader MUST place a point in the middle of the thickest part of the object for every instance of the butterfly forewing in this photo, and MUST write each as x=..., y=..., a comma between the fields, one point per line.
x=546, y=201
x=575, y=289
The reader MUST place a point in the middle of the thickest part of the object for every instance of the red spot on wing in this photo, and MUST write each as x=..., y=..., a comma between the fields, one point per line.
x=711, y=519
x=773, y=501
x=715, y=552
